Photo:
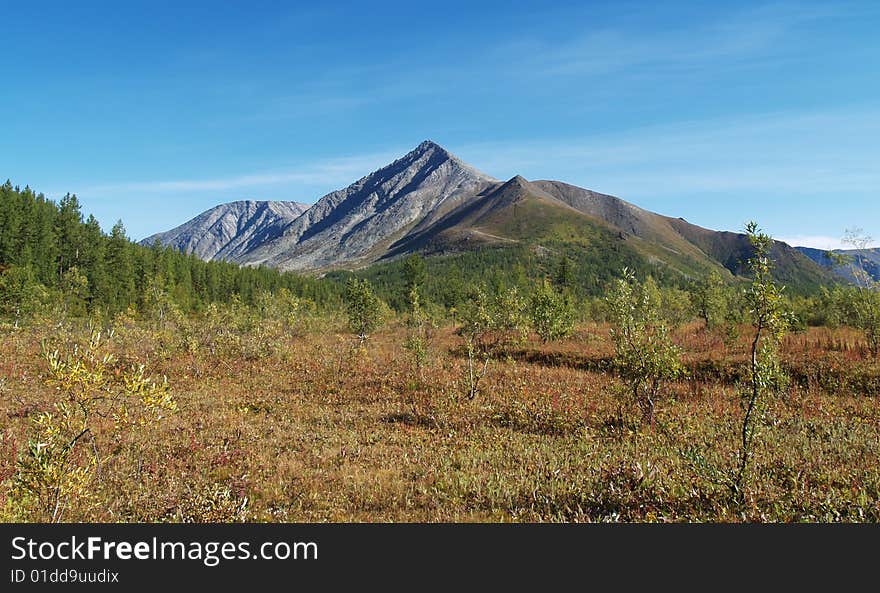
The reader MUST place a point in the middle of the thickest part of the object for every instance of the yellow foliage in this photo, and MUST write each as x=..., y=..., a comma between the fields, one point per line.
x=92, y=383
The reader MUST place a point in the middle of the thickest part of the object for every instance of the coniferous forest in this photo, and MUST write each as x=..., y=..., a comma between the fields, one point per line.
x=50, y=253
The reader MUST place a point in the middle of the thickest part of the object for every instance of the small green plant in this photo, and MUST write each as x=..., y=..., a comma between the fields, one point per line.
x=769, y=320
x=364, y=309
x=278, y=317
x=709, y=300
x=551, y=313
x=158, y=306
x=676, y=306
x=490, y=324
x=419, y=333
x=645, y=356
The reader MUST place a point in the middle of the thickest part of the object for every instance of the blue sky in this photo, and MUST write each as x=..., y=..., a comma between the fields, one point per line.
x=716, y=112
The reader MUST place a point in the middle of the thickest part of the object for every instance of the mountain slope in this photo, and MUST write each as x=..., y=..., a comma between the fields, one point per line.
x=733, y=251
x=654, y=235
x=545, y=212
x=230, y=230
x=865, y=259
x=354, y=225
x=514, y=212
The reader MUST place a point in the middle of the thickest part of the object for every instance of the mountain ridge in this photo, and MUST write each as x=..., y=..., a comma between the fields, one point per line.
x=347, y=225
x=432, y=202
x=230, y=229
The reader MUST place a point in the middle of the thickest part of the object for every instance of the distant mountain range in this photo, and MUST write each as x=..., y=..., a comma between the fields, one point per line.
x=864, y=259
x=431, y=202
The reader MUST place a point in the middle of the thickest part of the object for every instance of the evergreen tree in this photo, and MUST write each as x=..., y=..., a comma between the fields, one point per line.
x=48, y=247
x=563, y=277
x=414, y=272
x=363, y=307
x=120, y=268
x=69, y=234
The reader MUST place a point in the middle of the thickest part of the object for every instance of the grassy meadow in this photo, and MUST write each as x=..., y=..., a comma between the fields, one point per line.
x=306, y=424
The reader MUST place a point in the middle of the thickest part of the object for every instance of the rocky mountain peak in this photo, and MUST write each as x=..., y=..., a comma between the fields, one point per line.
x=350, y=224
x=430, y=158
x=429, y=145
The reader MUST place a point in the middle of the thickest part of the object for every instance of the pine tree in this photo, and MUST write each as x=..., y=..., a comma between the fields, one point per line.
x=120, y=268
x=68, y=230
x=563, y=277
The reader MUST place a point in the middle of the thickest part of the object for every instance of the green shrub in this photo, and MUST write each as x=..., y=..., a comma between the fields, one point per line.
x=490, y=324
x=364, y=309
x=551, y=313
x=645, y=356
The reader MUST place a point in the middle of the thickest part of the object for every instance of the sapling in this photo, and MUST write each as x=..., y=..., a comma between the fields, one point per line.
x=769, y=320
x=645, y=356
x=92, y=384
x=419, y=332
x=363, y=307
x=490, y=324
x=709, y=300
x=551, y=313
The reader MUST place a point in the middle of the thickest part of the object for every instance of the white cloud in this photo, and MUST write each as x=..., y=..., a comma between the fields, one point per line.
x=788, y=154
x=751, y=36
x=332, y=172
x=814, y=241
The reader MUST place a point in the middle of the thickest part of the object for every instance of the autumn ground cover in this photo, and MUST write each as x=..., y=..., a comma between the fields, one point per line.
x=313, y=427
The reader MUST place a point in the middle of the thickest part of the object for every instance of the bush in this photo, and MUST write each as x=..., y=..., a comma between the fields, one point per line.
x=709, y=300
x=644, y=356
x=551, y=313
x=489, y=326
x=21, y=296
x=363, y=307
x=55, y=471
x=858, y=307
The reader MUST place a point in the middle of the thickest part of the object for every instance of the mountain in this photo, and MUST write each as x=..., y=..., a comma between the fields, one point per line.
x=431, y=202
x=867, y=260
x=355, y=225
x=230, y=230
x=555, y=213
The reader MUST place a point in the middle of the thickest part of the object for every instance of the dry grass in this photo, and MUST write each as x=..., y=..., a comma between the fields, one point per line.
x=317, y=431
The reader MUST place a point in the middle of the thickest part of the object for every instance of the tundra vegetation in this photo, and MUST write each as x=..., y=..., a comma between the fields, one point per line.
x=168, y=389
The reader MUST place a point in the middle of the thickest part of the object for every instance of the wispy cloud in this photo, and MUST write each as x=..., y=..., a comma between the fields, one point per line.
x=753, y=35
x=608, y=59
x=819, y=242
x=787, y=153
x=331, y=172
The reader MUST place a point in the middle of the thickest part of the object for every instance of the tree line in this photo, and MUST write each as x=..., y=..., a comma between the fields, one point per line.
x=51, y=258
x=50, y=255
